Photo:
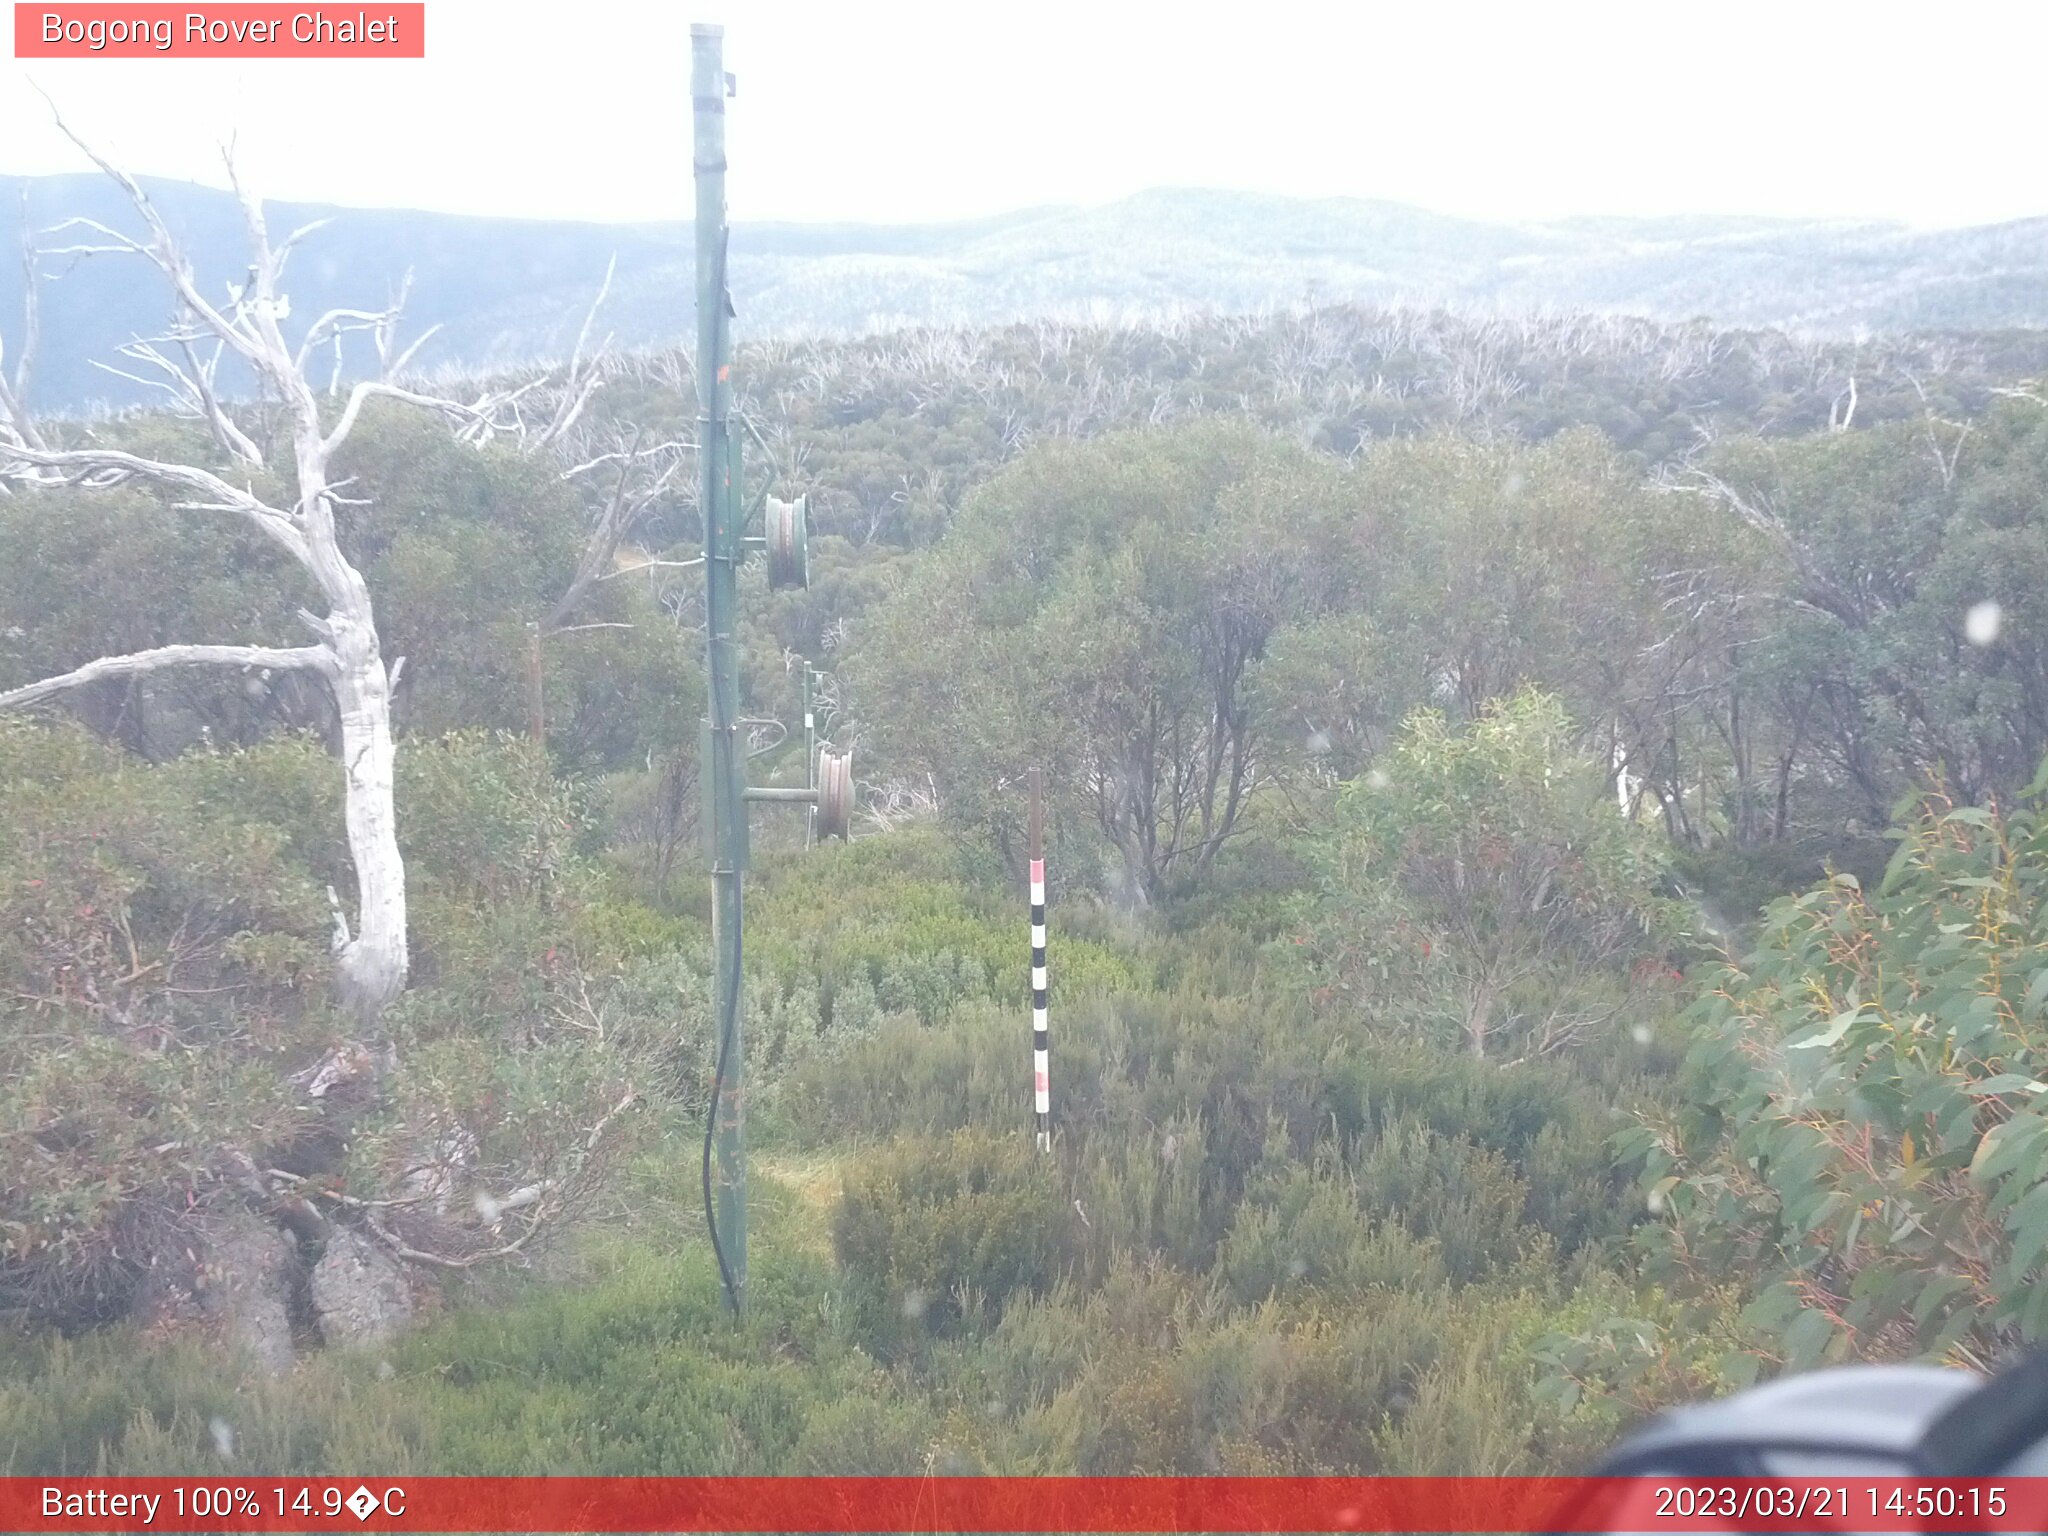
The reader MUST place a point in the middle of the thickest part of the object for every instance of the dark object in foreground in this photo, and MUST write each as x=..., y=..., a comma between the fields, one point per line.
x=1875, y=1420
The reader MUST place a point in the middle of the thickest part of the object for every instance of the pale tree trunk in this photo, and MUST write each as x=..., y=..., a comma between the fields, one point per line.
x=1479, y=1020
x=371, y=967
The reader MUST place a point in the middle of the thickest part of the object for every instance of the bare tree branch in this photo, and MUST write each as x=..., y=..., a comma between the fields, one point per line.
x=165, y=657
x=165, y=253
x=398, y=364
x=337, y=322
x=468, y=416
x=101, y=468
x=653, y=565
x=579, y=384
x=616, y=455
x=603, y=543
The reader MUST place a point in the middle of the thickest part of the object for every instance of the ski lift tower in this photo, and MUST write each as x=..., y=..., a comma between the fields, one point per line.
x=723, y=759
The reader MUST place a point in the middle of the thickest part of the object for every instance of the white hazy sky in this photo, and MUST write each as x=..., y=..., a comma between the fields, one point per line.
x=891, y=110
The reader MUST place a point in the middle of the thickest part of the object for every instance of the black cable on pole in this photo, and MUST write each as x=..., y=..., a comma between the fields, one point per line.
x=725, y=1034
x=713, y=442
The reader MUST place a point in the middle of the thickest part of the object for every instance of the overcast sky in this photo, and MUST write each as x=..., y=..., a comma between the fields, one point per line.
x=873, y=109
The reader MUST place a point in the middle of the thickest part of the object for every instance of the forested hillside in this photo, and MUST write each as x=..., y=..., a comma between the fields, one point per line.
x=1546, y=904
x=504, y=291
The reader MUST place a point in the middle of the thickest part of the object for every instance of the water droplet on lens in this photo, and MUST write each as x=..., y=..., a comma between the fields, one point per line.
x=1981, y=623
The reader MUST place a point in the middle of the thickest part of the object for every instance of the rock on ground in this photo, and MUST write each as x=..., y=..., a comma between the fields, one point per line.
x=359, y=1291
x=248, y=1269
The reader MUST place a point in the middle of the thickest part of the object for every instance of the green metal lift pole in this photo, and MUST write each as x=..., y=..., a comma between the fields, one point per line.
x=810, y=760
x=722, y=773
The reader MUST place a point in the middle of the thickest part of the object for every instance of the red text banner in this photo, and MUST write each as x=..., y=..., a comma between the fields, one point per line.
x=220, y=31
x=992, y=1504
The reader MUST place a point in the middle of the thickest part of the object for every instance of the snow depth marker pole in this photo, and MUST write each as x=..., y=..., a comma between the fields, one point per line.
x=1040, y=1042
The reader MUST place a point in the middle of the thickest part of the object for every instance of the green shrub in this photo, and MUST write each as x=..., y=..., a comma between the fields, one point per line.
x=1466, y=1197
x=1478, y=890
x=897, y=918
x=866, y=1437
x=1866, y=1134
x=932, y=1234
x=165, y=955
x=1307, y=1233
x=1549, y=1125
x=165, y=937
x=904, y=1079
x=484, y=815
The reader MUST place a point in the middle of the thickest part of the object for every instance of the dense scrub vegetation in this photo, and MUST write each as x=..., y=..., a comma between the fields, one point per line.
x=1488, y=1002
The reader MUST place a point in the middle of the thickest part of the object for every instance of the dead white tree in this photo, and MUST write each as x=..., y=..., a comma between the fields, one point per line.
x=14, y=418
x=1945, y=458
x=1842, y=410
x=644, y=476
x=248, y=325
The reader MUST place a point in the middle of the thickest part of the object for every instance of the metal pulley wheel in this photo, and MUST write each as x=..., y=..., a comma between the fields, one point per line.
x=835, y=794
x=789, y=559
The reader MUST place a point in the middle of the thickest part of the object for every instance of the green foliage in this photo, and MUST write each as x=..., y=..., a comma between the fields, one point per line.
x=84, y=574
x=165, y=958
x=485, y=816
x=895, y=430
x=1865, y=1133
x=891, y=939
x=1617, y=1355
x=636, y=1371
x=907, y=915
x=933, y=1233
x=1467, y=1198
x=1888, y=540
x=488, y=835
x=1477, y=888
x=462, y=548
x=1121, y=593
x=1154, y=1373
x=1306, y=1231
x=1256, y=1248
x=165, y=943
x=1509, y=566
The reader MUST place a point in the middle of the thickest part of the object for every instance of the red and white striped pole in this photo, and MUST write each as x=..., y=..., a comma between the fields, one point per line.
x=1041, y=1047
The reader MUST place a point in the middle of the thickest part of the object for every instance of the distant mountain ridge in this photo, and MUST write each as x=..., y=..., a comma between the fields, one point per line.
x=506, y=291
